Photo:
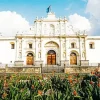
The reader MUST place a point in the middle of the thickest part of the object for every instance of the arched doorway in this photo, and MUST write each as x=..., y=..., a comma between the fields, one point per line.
x=51, y=57
x=73, y=59
x=30, y=59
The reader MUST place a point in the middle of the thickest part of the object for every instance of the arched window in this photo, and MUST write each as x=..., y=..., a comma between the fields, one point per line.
x=30, y=45
x=73, y=45
x=12, y=45
x=91, y=45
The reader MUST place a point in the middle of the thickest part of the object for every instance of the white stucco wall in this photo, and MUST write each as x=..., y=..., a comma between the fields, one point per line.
x=93, y=55
x=7, y=55
x=42, y=34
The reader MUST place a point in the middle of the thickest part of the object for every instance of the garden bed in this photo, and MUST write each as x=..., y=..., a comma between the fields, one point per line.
x=50, y=86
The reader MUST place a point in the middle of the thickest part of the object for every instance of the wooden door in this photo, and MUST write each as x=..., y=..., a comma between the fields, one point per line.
x=29, y=60
x=73, y=59
x=51, y=59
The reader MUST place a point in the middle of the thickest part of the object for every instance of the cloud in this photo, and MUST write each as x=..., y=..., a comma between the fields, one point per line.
x=90, y=24
x=11, y=23
x=92, y=8
x=79, y=23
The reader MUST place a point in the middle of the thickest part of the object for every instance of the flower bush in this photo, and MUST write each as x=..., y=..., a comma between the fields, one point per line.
x=50, y=87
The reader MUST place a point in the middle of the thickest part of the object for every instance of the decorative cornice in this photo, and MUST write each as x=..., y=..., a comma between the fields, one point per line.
x=93, y=38
x=59, y=36
x=7, y=39
x=50, y=21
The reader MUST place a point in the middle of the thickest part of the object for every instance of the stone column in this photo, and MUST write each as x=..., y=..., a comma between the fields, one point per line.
x=60, y=50
x=41, y=28
x=60, y=25
x=19, y=61
x=80, y=49
x=67, y=61
x=16, y=49
x=20, y=50
x=65, y=25
x=85, y=47
x=85, y=62
x=60, y=40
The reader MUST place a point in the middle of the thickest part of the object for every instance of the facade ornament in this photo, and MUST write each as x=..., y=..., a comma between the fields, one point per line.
x=48, y=9
x=20, y=55
x=64, y=17
x=37, y=18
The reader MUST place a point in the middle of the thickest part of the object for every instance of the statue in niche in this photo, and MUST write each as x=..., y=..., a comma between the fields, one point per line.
x=39, y=45
x=57, y=32
x=64, y=54
x=45, y=29
x=62, y=25
x=39, y=31
x=83, y=54
x=57, y=27
x=82, y=45
x=20, y=55
x=39, y=55
x=20, y=46
x=63, y=45
x=63, y=31
x=52, y=30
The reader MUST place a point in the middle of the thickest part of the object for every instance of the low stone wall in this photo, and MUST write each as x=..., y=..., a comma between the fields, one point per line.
x=21, y=70
x=81, y=69
x=71, y=69
x=2, y=70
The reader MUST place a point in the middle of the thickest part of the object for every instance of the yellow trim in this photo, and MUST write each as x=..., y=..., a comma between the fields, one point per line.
x=91, y=42
x=12, y=43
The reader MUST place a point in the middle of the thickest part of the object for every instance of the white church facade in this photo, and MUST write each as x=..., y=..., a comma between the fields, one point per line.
x=49, y=43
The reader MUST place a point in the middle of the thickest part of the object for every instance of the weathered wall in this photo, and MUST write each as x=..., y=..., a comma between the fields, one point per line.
x=20, y=70
x=84, y=69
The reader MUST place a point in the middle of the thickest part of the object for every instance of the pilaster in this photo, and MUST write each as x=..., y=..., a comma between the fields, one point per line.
x=18, y=61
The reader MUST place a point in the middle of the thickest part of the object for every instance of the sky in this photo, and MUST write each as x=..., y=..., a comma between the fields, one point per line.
x=19, y=15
